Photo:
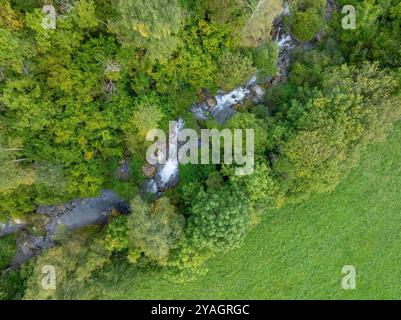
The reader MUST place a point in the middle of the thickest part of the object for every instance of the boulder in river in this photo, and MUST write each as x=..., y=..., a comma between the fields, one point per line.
x=211, y=102
x=29, y=246
x=70, y=216
x=149, y=171
x=92, y=210
x=10, y=227
x=258, y=94
x=149, y=187
x=124, y=171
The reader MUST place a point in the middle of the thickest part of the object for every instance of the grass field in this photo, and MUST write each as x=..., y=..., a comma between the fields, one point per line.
x=298, y=252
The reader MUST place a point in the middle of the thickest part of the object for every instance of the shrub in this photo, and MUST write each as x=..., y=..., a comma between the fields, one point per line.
x=117, y=234
x=356, y=106
x=155, y=228
x=245, y=120
x=262, y=189
x=12, y=285
x=234, y=69
x=74, y=262
x=306, y=18
x=258, y=17
x=7, y=245
x=265, y=59
x=218, y=219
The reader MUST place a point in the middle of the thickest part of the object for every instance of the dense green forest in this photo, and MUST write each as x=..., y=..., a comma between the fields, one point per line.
x=77, y=99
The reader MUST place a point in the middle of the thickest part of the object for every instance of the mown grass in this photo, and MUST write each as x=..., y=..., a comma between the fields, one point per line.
x=298, y=252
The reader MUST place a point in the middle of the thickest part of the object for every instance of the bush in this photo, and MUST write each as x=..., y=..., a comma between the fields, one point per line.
x=258, y=17
x=262, y=189
x=234, y=69
x=8, y=247
x=218, y=219
x=376, y=37
x=356, y=106
x=245, y=120
x=74, y=262
x=306, y=18
x=155, y=229
x=12, y=285
x=117, y=234
x=133, y=255
x=187, y=261
x=265, y=59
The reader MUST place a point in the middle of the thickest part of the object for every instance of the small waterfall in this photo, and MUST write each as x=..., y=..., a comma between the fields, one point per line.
x=223, y=110
x=167, y=175
x=286, y=43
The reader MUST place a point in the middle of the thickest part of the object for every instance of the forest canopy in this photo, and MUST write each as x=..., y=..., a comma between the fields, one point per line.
x=77, y=100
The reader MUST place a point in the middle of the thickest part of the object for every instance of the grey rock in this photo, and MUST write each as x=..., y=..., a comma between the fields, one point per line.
x=149, y=170
x=124, y=171
x=211, y=102
x=258, y=94
x=268, y=79
x=258, y=91
x=73, y=215
x=200, y=111
x=149, y=187
x=330, y=9
x=29, y=246
x=163, y=185
x=224, y=114
x=10, y=227
x=91, y=210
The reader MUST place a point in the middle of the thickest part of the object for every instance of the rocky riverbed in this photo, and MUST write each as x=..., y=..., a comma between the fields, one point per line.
x=222, y=106
x=11, y=226
x=69, y=216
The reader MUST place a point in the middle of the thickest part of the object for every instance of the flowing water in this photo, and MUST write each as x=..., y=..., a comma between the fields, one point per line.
x=223, y=110
x=167, y=174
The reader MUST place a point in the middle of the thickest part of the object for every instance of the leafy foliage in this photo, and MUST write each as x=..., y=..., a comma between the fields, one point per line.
x=12, y=284
x=377, y=36
x=151, y=25
x=155, y=229
x=306, y=18
x=117, y=233
x=12, y=174
x=218, y=220
x=228, y=77
x=353, y=109
x=74, y=262
x=258, y=20
x=265, y=60
x=76, y=100
x=7, y=250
